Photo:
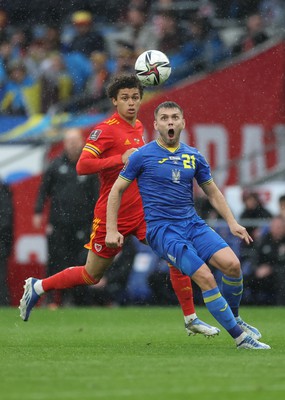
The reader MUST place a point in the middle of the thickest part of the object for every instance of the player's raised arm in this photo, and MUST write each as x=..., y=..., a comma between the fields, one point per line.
x=113, y=236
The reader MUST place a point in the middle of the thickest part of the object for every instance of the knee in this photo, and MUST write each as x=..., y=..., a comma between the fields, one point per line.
x=205, y=279
x=233, y=269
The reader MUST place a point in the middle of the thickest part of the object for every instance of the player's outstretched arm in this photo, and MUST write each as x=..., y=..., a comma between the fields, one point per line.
x=113, y=236
x=220, y=204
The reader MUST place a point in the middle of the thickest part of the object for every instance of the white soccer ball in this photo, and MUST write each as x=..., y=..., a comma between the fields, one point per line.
x=152, y=68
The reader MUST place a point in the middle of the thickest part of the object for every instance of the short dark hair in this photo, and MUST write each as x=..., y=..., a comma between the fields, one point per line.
x=167, y=104
x=281, y=198
x=118, y=82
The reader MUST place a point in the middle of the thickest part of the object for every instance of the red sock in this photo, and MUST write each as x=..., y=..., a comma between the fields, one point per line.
x=182, y=287
x=68, y=278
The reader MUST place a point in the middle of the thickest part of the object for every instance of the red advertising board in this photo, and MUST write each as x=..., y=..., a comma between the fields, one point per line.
x=233, y=113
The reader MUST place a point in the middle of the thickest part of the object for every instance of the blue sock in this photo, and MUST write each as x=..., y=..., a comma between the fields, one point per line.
x=221, y=311
x=232, y=289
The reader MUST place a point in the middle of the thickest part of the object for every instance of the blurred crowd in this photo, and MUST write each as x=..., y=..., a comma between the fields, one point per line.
x=59, y=55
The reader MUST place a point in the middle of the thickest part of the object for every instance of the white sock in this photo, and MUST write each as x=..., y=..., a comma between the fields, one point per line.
x=189, y=318
x=39, y=287
x=240, y=338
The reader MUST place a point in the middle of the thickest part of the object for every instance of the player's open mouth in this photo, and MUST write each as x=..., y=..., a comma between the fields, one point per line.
x=171, y=133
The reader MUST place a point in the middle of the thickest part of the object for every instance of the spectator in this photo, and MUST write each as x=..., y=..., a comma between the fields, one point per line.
x=21, y=91
x=281, y=202
x=170, y=40
x=96, y=84
x=19, y=40
x=273, y=13
x=5, y=58
x=36, y=54
x=269, y=273
x=237, y=9
x=255, y=35
x=6, y=239
x=136, y=31
x=125, y=59
x=56, y=82
x=253, y=211
x=94, y=92
x=170, y=35
x=204, y=48
x=3, y=24
x=72, y=200
x=86, y=39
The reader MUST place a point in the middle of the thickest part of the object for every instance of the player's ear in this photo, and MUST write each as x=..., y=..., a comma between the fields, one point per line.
x=184, y=123
x=155, y=124
x=114, y=101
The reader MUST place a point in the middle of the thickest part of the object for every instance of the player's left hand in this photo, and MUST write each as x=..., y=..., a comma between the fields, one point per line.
x=114, y=239
x=241, y=232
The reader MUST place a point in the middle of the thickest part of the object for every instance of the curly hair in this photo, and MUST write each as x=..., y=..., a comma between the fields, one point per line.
x=118, y=82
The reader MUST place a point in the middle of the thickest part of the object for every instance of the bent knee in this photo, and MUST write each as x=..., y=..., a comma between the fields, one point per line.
x=233, y=269
x=204, y=279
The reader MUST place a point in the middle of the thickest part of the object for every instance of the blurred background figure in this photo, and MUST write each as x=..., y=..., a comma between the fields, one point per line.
x=281, y=203
x=4, y=22
x=204, y=48
x=70, y=216
x=255, y=34
x=135, y=30
x=6, y=239
x=253, y=210
x=97, y=82
x=86, y=39
x=21, y=91
x=56, y=82
x=268, y=279
x=256, y=218
x=125, y=58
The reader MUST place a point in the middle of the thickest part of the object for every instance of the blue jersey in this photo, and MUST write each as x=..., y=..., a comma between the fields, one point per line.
x=165, y=179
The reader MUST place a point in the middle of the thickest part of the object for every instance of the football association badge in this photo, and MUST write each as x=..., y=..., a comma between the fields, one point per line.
x=175, y=176
x=97, y=247
x=95, y=134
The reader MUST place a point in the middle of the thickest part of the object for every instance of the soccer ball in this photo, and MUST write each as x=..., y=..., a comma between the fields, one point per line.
x=152, y=68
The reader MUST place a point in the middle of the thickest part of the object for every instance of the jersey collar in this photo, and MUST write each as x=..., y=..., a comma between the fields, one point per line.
x=171, y=149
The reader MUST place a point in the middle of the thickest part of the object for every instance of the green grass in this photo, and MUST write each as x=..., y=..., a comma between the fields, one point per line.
x=135, y=354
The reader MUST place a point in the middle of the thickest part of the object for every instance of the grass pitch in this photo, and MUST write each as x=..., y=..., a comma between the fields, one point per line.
x=135, y=354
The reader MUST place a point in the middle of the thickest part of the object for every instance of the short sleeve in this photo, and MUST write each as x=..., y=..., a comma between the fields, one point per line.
x=132, y=167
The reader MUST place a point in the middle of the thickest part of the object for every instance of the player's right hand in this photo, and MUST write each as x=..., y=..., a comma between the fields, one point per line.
x=127, y=154
x=114, y=239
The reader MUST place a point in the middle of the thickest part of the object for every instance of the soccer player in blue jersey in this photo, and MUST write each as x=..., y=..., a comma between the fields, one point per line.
x=165, y=169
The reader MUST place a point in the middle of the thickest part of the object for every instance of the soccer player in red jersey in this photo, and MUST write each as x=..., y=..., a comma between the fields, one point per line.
x=106, y=151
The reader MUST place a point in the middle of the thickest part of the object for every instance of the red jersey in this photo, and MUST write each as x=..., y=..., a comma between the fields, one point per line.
x=102, y=153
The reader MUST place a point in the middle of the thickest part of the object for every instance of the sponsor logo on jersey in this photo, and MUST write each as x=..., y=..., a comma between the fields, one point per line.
x=127, y=142
x=175, y=176
x=95, y=134
x=175, y=159
x=97, y=247
x=162, y=161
